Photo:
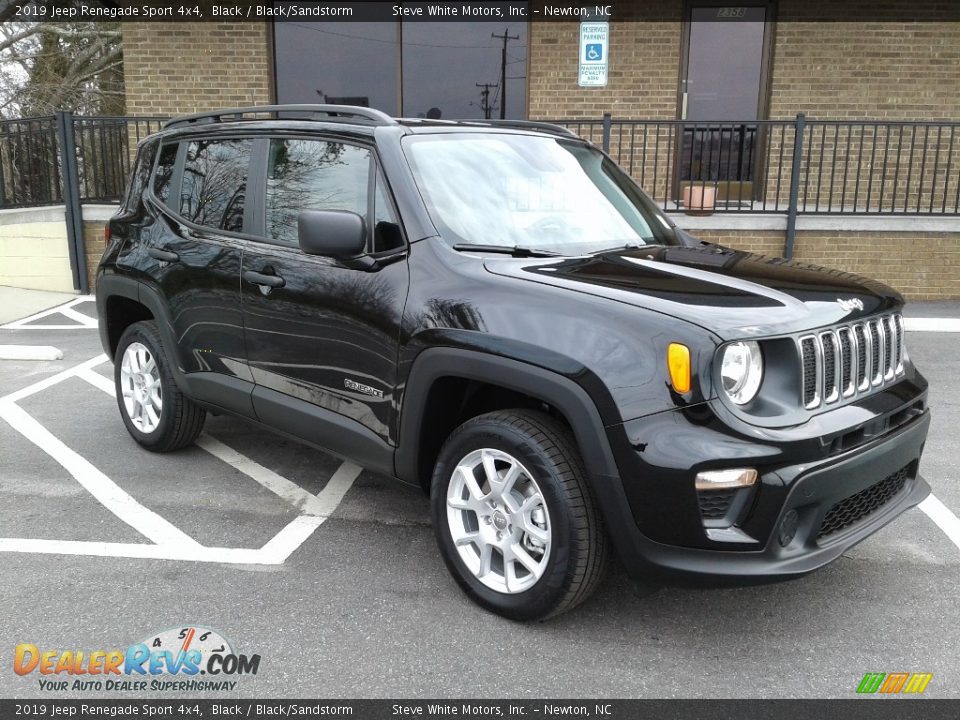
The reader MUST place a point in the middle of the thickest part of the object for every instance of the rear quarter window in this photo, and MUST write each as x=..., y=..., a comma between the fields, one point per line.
x=164, y=172
x=140, y=175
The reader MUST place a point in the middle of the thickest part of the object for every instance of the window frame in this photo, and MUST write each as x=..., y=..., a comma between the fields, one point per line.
x=182, y=164
x=132, y=200
x=258, y=173
x=177, y=175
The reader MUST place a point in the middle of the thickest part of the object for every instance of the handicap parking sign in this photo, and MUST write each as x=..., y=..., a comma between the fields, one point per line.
x=594, y=43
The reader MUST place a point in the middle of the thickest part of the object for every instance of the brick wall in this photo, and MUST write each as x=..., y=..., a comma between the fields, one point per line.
x=829, y=70
x=845, y=70
x=644, y=67
x=922, y=266
x=176, y=68
x=94, y=244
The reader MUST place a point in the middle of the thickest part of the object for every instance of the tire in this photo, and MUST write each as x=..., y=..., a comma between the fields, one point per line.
x=156, y=413
x=562, y=533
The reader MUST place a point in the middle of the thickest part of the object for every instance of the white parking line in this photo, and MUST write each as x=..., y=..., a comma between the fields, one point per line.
x=108, y=493
x=54, y=379
x=943, y=517
x=170, y=543
x=944, y=325
x=84, y=322
x=243, y=556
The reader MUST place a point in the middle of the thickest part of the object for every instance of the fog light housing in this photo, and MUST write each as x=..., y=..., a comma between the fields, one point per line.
x=726, y=479
x=788, y=527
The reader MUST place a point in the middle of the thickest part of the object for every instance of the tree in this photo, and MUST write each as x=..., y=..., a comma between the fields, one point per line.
x=47, y=66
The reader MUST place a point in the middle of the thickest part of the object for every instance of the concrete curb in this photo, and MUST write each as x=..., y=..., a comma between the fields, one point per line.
x=30, y=352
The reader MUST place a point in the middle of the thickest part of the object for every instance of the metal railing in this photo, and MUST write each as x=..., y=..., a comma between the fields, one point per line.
x=29, y=163
x=797, y=166
x=32, y=157
x=791, y=167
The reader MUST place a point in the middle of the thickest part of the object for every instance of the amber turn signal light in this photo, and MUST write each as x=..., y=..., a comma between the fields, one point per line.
x=678, y=362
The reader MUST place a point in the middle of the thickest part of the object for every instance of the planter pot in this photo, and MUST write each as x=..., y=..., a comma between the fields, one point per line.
x=699, y=199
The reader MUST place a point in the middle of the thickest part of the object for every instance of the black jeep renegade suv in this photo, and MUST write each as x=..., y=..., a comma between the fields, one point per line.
x=496, y=312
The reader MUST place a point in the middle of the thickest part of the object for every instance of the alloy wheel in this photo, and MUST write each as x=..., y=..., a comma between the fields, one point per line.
x=140, y=387
x=499, y=521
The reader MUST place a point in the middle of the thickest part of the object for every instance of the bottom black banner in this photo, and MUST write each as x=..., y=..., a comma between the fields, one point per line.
x=865, y=709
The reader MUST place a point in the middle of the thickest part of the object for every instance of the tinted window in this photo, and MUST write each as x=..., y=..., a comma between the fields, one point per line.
x=161, y=181
x=313, y=175
x=214, y=184
x=386, y=229
x=455, y=73
x=140, y=175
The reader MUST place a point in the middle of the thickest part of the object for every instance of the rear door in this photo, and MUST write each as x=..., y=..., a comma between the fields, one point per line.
x=322, y=335
x=194, y=253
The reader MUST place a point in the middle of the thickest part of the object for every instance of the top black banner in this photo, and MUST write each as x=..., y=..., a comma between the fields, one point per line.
x=496, y=11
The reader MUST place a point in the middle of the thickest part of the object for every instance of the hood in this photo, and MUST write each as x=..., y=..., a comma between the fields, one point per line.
x=733, y=294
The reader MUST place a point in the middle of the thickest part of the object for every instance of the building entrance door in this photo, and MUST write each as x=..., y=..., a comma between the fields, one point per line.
x=722, y=95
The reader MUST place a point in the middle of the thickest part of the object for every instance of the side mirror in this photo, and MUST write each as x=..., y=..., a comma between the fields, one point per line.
x=335, y=233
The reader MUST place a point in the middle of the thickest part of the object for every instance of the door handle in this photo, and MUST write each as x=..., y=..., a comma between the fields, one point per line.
x=164, y=256
x=264, y=280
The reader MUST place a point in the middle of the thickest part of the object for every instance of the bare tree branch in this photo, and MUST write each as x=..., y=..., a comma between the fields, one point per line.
x=74, y=66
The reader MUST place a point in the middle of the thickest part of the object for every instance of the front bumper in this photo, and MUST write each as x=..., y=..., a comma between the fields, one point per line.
x=789, y=532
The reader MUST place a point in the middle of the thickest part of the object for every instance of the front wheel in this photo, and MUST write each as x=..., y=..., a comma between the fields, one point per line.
x=513, y=515
x=157, y=415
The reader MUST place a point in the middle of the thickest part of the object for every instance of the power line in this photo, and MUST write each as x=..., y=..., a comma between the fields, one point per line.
x=393, y=42
x=485, y=98
x=506, y=37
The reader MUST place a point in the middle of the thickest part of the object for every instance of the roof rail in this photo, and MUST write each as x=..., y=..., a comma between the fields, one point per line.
x=376, y=117
x=529, y=125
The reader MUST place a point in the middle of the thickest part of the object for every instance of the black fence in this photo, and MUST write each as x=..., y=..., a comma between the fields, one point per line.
x=789, y=167
x=33, y=153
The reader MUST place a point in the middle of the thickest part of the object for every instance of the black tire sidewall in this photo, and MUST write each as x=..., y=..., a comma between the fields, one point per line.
x=144, y=334
x=546, y=594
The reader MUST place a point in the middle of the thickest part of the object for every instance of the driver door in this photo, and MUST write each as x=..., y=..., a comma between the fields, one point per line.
x=321, y=336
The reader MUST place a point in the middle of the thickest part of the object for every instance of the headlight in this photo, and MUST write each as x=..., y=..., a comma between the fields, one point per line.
x=741, y=370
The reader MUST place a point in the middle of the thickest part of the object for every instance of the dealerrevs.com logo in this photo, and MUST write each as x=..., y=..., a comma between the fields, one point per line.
x=894, y=683
x=173, y=660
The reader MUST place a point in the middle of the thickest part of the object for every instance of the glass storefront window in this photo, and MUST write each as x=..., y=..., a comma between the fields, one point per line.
x=449, y=70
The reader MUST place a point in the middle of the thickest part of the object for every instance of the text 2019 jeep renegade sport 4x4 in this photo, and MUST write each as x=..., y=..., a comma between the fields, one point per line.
x=496, y=312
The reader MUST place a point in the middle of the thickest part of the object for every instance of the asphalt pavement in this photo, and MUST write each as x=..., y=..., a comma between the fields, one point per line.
x=331, y=574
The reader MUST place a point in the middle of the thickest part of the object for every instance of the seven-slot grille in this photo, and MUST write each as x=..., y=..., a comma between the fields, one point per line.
x=849, y=360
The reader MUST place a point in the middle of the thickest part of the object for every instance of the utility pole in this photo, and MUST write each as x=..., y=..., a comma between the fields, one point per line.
x=503, y=70
x=485, y=95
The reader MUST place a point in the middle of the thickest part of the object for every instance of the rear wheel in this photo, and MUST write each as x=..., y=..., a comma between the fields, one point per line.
x=157, y=415
x=513, y=515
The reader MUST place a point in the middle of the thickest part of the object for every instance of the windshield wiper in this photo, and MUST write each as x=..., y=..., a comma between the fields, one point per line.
x=626, y=246
x=515, y=250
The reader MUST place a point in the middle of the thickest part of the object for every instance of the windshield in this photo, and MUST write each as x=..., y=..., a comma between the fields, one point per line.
x=533, y=192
